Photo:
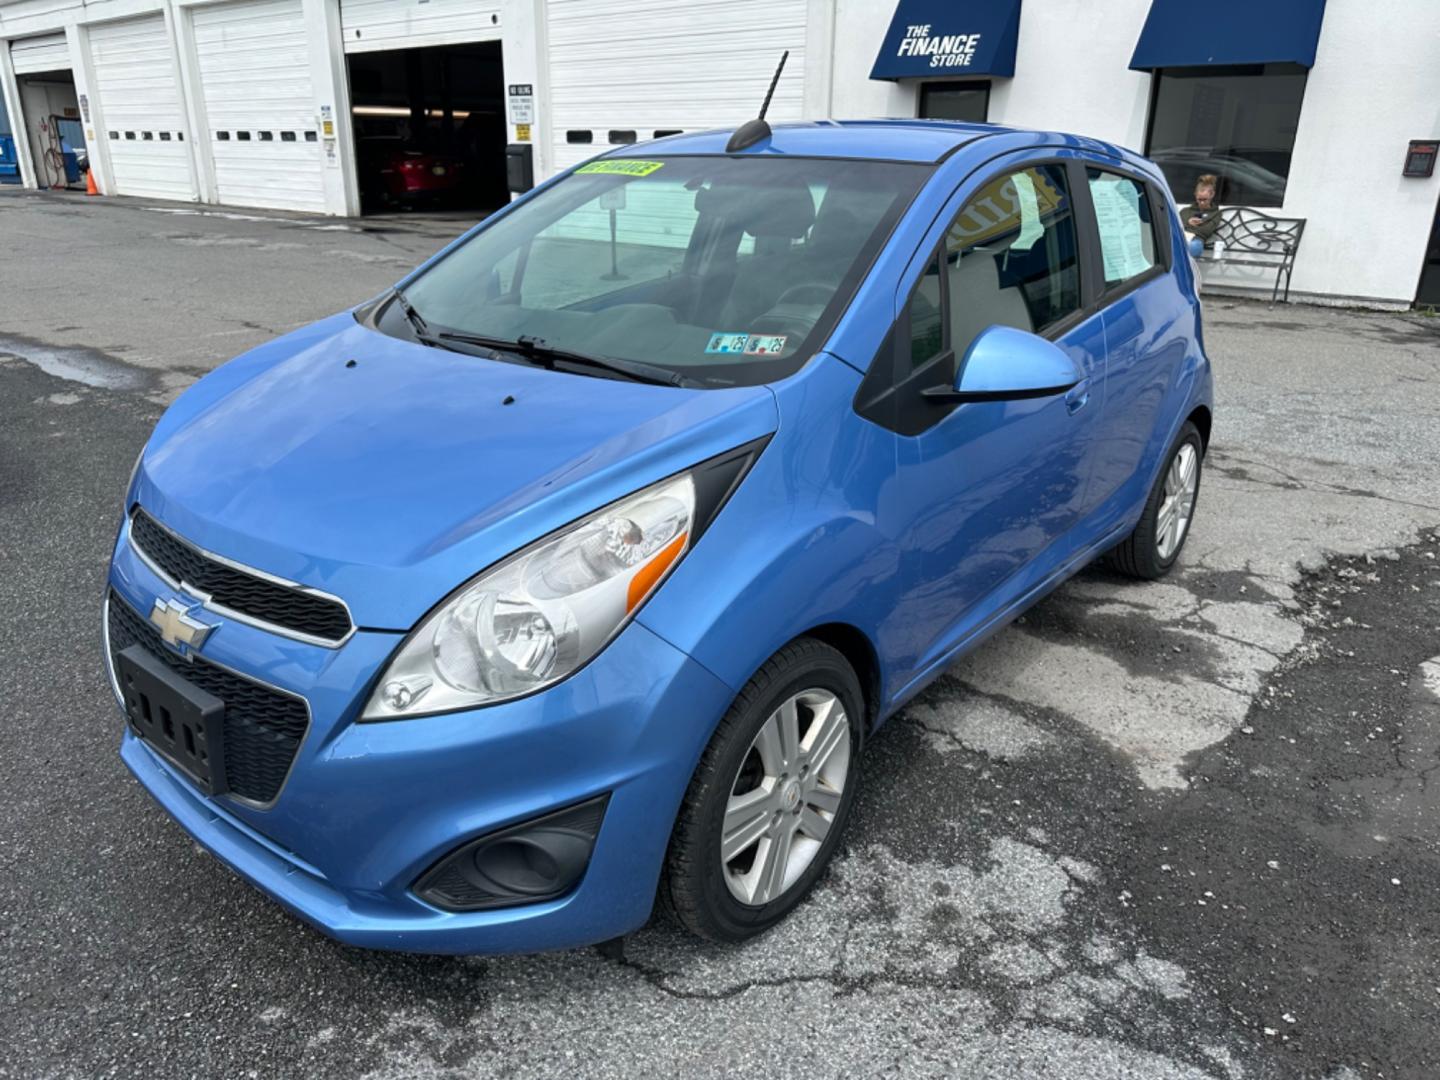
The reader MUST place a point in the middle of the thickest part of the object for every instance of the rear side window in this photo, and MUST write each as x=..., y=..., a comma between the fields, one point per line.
x=1012, y=256
x=1126, y=225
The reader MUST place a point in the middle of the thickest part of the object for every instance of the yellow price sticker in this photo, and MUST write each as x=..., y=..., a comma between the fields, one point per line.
x=622, y=167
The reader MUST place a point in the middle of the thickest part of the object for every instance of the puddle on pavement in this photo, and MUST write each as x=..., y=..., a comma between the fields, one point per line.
x=75, y=363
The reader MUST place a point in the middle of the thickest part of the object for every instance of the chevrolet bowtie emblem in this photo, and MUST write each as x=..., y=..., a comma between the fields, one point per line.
x=177, y=628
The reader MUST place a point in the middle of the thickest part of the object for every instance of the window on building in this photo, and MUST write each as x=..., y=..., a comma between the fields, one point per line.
x=622, y=138
x=1127, y=228
x=955, y=101
x=1236, y=122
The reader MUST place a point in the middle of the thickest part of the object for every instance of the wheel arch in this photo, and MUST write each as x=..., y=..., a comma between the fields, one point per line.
x=1200, y=416
x=859, y=652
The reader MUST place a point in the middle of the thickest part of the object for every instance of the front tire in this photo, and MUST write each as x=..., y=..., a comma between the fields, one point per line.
x=1153, y=547
x=770, y=798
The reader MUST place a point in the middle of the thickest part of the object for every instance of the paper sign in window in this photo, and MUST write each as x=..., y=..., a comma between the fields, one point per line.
x=1117, y=212
x=1030, y=227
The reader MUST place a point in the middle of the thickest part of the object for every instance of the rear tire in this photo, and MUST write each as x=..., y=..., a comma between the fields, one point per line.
x=781, y=768
x=1156, y=542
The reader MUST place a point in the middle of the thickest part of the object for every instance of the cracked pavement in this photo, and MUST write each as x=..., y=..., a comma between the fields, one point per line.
x=1171, y=830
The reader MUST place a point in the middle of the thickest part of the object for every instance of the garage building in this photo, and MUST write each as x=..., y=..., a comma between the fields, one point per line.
x=1305, y=108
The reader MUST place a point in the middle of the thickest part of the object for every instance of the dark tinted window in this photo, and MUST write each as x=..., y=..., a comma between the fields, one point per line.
x=578, y=136
x=955, y=101
x=1236, y=122
x=1011, y=255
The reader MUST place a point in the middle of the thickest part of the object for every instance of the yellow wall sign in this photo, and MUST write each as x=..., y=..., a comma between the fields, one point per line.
x=522, y=132
x=622, y=167
x=1014, y=203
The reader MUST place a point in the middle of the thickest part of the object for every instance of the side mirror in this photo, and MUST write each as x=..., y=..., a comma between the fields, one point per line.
x=1006, y=364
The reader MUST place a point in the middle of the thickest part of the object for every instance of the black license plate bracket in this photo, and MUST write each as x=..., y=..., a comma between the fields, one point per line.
x=184, y=723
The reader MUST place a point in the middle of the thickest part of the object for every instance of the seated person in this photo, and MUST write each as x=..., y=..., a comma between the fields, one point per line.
x=1202, y=217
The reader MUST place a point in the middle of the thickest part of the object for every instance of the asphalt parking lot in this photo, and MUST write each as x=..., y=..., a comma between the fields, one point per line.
x=1173, y=830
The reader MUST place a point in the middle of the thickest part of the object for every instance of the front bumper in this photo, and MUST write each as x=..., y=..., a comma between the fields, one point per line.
x=367, y=808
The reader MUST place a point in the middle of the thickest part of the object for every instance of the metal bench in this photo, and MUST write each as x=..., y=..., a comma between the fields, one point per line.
x=1252, y=238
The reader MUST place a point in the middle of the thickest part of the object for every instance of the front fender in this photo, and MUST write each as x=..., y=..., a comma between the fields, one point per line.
x=798, y=545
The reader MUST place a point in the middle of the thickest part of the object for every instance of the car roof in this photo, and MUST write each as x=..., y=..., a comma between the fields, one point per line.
x=925, y=141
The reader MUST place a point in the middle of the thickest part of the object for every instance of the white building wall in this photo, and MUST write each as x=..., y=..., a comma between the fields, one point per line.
x=1072, y=71
x=860, y=26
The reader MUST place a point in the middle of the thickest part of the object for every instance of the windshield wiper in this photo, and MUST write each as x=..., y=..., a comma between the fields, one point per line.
x=421, y=328
x=541, y=352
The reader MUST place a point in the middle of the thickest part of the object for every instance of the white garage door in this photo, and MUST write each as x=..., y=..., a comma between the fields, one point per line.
x=260, y=104
x=666, y=65
x=371, y=25
x=139, y=96
x=48, y=52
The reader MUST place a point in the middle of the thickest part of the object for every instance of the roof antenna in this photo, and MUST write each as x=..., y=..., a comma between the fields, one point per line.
x=752, y=131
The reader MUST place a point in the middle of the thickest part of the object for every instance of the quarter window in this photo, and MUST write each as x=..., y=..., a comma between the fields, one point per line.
x=1126, y=225
x=927, y=327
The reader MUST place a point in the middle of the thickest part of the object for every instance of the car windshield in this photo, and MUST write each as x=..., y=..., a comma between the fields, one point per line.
x=725, y=270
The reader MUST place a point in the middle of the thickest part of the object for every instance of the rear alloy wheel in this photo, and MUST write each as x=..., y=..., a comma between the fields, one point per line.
x=770, y=797
x=1151, y=550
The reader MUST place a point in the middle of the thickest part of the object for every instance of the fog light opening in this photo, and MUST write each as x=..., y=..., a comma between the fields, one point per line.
x=519, y=864
x=541, y=859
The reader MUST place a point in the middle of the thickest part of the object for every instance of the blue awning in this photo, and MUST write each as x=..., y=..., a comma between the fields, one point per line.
x=1183, y=33
x=936, y=39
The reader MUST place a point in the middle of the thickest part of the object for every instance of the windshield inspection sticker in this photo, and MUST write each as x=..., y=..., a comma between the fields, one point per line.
x=727, y=343
x=622, y=167
x=764, y=344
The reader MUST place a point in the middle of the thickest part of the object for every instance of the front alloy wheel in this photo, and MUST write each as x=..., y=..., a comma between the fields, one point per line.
x=769, y=800
x=785, y=795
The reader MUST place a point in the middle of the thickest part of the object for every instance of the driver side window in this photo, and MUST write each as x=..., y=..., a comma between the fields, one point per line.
x=1010, y=257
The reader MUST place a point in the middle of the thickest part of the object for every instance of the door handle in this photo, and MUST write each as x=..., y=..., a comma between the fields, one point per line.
x=1078, y=396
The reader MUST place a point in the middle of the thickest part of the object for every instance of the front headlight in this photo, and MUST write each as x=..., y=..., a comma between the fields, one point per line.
x=536, y=617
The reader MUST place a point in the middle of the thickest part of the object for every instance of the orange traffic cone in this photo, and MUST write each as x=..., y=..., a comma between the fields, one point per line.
x=90, y=188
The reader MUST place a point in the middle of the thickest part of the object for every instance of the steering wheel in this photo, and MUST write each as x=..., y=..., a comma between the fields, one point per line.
x=806, y=293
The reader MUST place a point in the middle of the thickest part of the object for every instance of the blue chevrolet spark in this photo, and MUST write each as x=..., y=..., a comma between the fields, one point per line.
x=576, y=571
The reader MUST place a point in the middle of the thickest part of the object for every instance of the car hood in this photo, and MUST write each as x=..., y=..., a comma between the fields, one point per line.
x=389, y=473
